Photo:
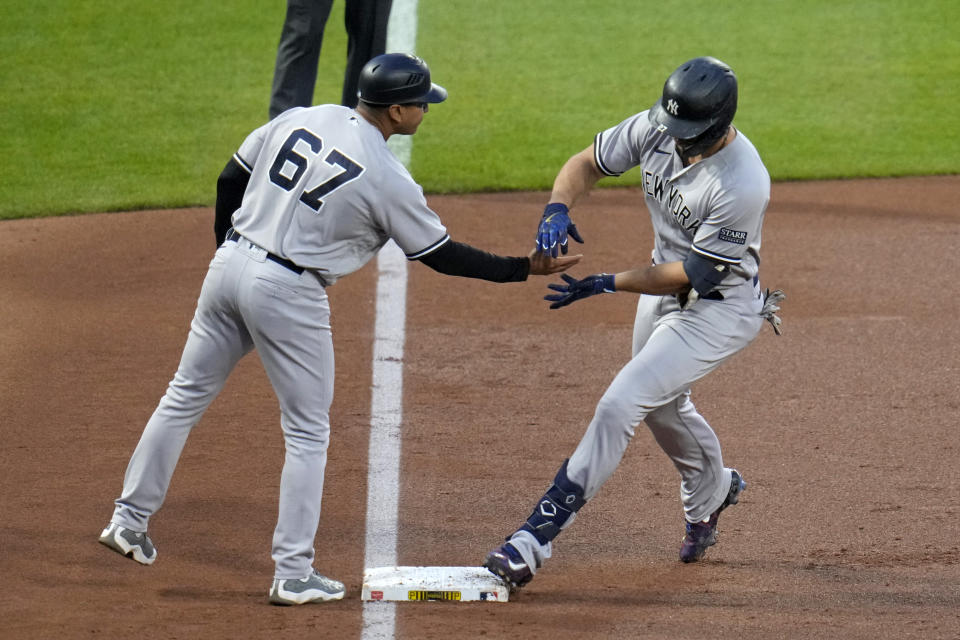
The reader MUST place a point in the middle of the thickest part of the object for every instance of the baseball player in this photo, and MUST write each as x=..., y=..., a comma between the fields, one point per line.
x=706, y=190
x=312, y=196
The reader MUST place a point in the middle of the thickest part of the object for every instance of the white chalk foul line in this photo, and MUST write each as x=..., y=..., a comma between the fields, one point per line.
x=386, y=414
x=386, y=405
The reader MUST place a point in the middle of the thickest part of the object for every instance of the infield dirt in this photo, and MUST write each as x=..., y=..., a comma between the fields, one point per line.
x=845, y=429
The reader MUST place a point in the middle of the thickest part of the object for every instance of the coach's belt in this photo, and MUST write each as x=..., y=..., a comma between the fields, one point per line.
x=233, y=236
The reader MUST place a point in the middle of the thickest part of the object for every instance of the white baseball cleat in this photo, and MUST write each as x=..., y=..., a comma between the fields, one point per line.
x=132, y=544
x=313, y=588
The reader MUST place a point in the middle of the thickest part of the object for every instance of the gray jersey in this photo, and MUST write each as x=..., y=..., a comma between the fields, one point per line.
x=326, y=193
x=714, y=207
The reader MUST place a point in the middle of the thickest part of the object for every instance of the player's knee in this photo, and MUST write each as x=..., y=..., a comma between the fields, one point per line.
x=656, y=420
x=616, y=413
x=188, y=398
x=306, y=435
x=678, y=412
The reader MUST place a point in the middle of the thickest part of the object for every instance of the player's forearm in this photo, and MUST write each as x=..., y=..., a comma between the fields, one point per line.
x=661, y=279
x=460, y=259
x=577, y=177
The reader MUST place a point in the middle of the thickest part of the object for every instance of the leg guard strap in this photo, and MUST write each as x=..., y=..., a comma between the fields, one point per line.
x=561, y=501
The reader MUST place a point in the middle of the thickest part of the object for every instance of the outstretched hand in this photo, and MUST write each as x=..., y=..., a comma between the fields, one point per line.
x=577, y=289
x=541, y=264
x=555, y=226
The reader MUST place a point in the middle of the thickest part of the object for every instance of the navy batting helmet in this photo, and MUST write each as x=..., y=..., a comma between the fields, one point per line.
x=398, y=78
x=698, y=102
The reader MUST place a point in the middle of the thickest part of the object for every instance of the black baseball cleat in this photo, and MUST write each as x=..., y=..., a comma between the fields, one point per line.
x=701, y=535
x=507, y=563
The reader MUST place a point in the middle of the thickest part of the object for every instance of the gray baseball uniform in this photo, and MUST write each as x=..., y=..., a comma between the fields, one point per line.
x=341, y=196
x=714, y=207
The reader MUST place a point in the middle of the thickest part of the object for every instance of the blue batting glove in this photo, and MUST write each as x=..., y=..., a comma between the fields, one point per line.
x=554, y=228
x=577, y=289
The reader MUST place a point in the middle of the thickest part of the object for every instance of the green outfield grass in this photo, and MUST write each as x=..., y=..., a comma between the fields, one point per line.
x=126, y=105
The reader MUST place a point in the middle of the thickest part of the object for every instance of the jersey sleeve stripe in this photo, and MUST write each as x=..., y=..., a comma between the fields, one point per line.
x=597, y=141
x=436, y=245
x=716, y=256
x=240, y=161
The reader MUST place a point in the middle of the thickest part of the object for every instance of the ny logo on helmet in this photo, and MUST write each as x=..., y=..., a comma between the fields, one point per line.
x=672, y=106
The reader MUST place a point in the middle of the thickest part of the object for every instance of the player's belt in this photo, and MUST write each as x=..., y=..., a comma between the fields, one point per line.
x=233, y=236
x=713, y=295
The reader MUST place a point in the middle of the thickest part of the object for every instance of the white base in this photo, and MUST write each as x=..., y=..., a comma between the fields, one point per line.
x=448, y=584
